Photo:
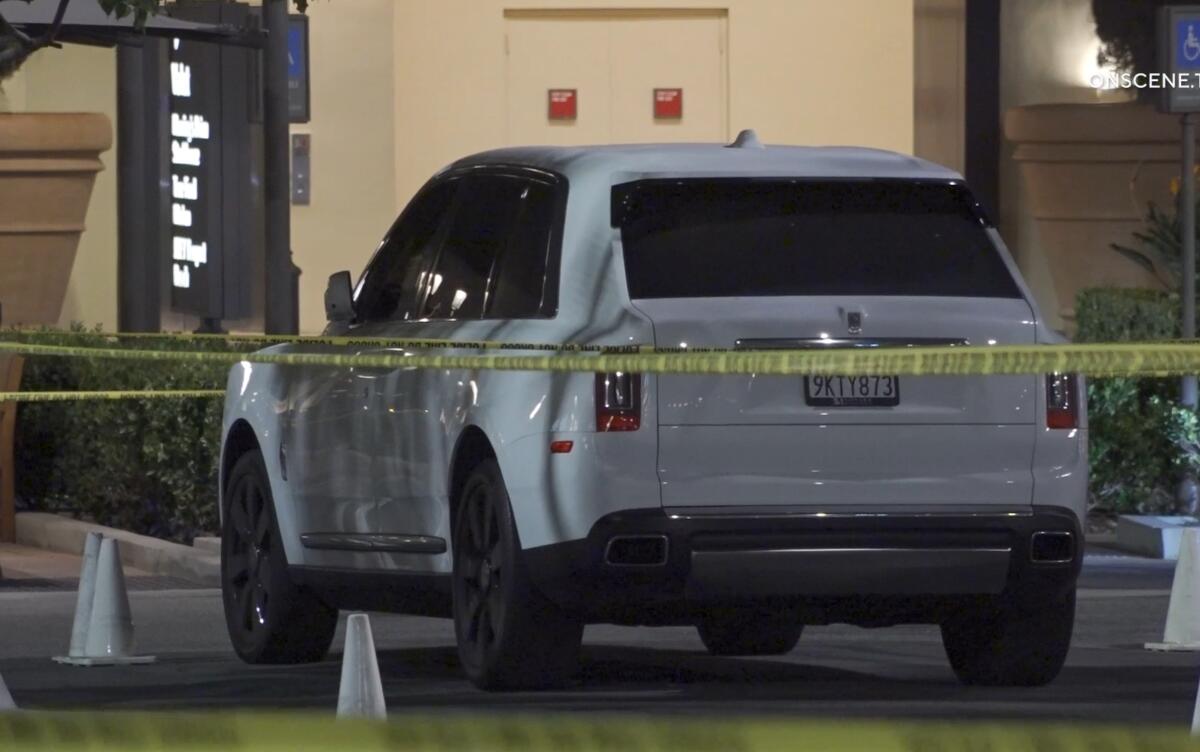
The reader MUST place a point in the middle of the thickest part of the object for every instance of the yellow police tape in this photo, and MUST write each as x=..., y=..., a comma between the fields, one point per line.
x=48, y=396
x=340, y=341
x=1124, y=359
x=42, y=732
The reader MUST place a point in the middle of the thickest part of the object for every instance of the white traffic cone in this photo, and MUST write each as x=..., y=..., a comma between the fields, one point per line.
x=110, y=629
x=1183, y=612
x=6, y=700
x=361, y=692
x=83, y=600
x=1196, y=716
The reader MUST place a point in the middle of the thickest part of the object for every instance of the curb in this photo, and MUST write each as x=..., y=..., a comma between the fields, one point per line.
x=160, y=557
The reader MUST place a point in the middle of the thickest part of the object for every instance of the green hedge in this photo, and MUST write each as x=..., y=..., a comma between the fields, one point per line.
x=144, y=465
x=1140, y=441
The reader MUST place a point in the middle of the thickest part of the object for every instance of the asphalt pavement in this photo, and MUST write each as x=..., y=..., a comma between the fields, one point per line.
x=836, y=671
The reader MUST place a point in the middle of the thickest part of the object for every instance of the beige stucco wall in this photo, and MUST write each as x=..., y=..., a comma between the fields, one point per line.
x=353, y=146
x=402, y=87
x=800, y=71
x=1048, y=51
x=939, y=81
x=80, y=79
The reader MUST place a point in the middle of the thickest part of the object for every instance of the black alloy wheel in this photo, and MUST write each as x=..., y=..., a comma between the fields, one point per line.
x=480, y=563
x=509, y=635
x=269, y=618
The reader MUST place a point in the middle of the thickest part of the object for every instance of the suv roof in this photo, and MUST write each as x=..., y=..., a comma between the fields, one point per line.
x=631, y=161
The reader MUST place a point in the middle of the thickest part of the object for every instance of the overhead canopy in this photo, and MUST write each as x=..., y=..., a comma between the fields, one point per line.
x=86, y=22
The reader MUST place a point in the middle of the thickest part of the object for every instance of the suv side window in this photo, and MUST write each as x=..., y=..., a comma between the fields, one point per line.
x=520, y=280
x=496, y=260
x=389, y=287
x=489, y=208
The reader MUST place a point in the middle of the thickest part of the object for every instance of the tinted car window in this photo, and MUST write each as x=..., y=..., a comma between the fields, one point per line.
x=734, y=238
x=389, y=287
x=519, y=277
x=488, y=209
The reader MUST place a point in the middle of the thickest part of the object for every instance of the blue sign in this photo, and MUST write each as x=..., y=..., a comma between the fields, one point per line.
x=296, y=51
x=1177, y=80
x=1187, y=43
x=297, y=38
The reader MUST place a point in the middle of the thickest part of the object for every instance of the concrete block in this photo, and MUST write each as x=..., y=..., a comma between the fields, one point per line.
x=207, y=544
x=1154, y=536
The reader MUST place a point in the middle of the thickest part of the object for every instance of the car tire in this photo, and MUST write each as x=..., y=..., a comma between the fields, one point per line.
x=749, y=632
x=1018, y=644
x=509, y=635
x=270, y=619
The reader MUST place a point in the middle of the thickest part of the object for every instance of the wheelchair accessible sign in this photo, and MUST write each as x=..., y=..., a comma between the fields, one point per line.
x=1179, y=58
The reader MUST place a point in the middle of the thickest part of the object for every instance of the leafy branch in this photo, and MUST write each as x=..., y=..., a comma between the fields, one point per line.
x=16, y=46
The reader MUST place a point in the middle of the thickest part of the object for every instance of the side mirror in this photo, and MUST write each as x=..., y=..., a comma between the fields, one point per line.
x=339, y=297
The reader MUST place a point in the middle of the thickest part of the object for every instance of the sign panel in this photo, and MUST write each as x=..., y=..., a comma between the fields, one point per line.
x=298, y=82
x=562, y=104
x=195, y=178
x=668, y=104
x=1179, y=58
x=212, y=244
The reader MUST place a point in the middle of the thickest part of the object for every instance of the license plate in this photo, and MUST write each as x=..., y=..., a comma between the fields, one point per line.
x=852, y=391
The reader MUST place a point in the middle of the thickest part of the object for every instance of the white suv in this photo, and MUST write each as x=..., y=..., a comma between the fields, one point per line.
x=526, y=504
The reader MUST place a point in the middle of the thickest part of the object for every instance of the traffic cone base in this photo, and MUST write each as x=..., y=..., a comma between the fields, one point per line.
x=1173, y=647
x=1182, y=632
x=112, y=660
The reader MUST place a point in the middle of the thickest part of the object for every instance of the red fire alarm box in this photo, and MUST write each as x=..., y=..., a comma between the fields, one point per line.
x=668, y=104
x=561, y=104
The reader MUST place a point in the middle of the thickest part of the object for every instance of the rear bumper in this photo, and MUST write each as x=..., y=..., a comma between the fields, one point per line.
x=865, y=568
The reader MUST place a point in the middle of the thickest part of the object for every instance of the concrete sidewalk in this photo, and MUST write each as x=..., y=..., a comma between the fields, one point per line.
x=60, y=535
x=20, y=562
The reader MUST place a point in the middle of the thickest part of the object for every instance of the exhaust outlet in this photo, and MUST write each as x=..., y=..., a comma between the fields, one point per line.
x=1052, y=547
x=636, y=551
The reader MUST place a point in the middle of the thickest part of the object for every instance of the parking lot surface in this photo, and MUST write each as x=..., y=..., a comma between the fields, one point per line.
x=836, y=671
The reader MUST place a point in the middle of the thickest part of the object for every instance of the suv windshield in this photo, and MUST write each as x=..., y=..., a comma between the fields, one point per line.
x=734, y=238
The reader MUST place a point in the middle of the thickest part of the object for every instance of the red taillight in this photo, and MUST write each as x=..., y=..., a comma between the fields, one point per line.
x=618, y=401
x=1062, y=401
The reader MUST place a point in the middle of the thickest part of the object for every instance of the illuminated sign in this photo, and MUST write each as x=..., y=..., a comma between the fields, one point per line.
x=213, y=248
x=190, y=135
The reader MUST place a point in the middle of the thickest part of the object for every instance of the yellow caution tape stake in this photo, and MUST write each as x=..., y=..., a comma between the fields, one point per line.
x=1123, y=359
x=62, y=732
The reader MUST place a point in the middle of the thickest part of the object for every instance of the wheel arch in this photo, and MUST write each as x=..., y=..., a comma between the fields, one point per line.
x=239, y=440
x=473, y=447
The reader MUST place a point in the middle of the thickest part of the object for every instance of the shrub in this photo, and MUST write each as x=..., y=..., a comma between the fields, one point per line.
x=144, y=465
x=1140, y=440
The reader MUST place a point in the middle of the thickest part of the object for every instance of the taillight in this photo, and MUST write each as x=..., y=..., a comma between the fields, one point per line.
x=618, y=401
x=1062, y=401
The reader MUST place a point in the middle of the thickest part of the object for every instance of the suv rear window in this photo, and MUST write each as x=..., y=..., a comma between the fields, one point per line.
x=737, y=238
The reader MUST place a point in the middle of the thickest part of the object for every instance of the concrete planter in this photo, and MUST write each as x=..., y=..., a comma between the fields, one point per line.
x=48, y=165
x=1089, y=171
